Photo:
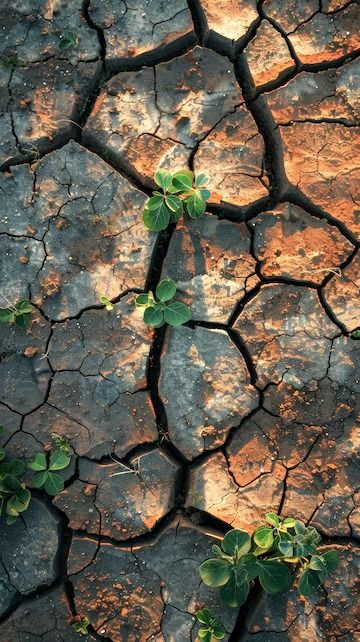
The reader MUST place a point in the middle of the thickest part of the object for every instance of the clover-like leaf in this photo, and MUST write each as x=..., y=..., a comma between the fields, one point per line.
x=272, y=519
x=158, y=218
x=163, y=178
x=236, y=542
x=19, y=502
x=24, y=307
x=354, y=335
x=165, y=290
x=7, y=315
x=59, y=460
x=201, y=179
x=177, y=313
x=54, y=483
x=195, y=205
x=331, y=559
x=215, y=572
x=263, y=537
x=38, y=463
x=68, y=40
x=174, y=203
x=274, y=576
x=22, y=320
x=286, y=548
x=142, y=301
x=309, y=582
x=234, y=593
x=107, y=303
x=154, y=317
x=183, y=180
x=39, y=479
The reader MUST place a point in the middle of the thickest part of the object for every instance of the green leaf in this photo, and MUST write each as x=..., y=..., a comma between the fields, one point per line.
x=39, y=479
x=354, y=335
x=173, y=203
x=177, y=214
x=59, y=460
x=218, y=632
x=163, y=178
x=248, y=565
x=15, y=467
x=183, y=180
x=141, y=301
x=22, y=320
x=202, y=179
x=38, y=463
x=309, y=582
x=205, y=634
x=106, y=301
x=215, y=572
x=274, y=576
x=156, y=219
x=204, y=615
x=195, y=205
x=18, y=503
x=54, y=483
x=155, y=202
x=331, y=559
x=165, y=290
x=217, y=550
x=235, y=591
x=67, y=40
x=263, y=537
x=272, y=519
x=7, y=315
x=24, y=307
x=177, y=313
x=289, y=522
x=236, y=542
x=286, y=548
x=154, y=317
x=11, y=519
x=318, y=565
x=205, y=194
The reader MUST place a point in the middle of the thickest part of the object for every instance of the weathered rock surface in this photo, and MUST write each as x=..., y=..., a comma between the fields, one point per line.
x=95, y=241
x=155, y=117
x=316, y=36
x=140, y=26
x=44, y=618
x=17, y=213
x=229, y=19
x=211, y=263
x=330, y=615
x=268, y=55
x=205, y=387
x=333, y=93
x=24, y=370
x=28, y=553
x=342, y=295
x=322, y=160
x=20, y=261
x=118, y=501
x=288, y=335
x=141, y=587
x=290, y=243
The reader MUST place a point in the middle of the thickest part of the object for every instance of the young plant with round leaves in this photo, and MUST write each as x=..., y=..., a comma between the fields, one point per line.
x=81, y=625
x=18, y=313
x=270, y=555
x=160, y=309
x=211, y=629
x=177, y=192
x=107, y=303
x=45, y=471
x=355, y=334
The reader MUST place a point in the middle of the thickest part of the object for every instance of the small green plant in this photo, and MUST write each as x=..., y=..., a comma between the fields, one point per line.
x=62, y=443
x=81, y=626
x=159, y=309
x=45, y=475
x=179, y=192
x=106, y=302
x=68, y=40
x=18, y=313
x=267, y=555
x=9, y=61
x=212, y=628
x=14, y=495
x=355, y=334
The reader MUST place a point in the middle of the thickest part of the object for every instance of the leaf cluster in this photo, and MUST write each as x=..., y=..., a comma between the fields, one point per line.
x=14, y=495
x=211, y=627
x=81, y=626
x=68, y=40
x=179, y=192
x=160, y=309
x=107, y=303
x=268, y=555
x=18, y=313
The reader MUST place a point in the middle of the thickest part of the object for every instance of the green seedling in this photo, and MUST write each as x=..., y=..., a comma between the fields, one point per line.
x=106, y=302
x=18, y=313
x=355, y=334
x=270, y=555
x=160, y=309
x=62, y=444
x=9, y=61
x=179, y=192
x=68, y=40
x=45, y=471
x=211, y=628
x=81, y=626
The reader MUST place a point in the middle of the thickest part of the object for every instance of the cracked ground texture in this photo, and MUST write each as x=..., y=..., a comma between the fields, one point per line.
x=179, y=434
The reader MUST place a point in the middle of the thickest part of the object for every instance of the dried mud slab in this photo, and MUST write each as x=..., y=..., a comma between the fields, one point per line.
x=140, y=26
x=146, y=587
x=288, y=335
x=24, y=370
x=94, y=237
x=210, y=261
x=230, y=19
x=268, y=55
x=22, y=568
x=290, y=243
x=316, y=37
x=342, y=295
x=48, y=615
x=118, y=501
x=334, y=93
x=205, y=387
x=20, y=262
x=322, y=160
x=330, y=615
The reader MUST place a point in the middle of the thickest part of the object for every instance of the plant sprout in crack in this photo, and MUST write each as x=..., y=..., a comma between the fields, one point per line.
x=18, y=313
x=160, y=309
x=179, y=192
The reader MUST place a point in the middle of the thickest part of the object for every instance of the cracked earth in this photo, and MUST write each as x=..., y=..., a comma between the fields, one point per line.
x=179, y=434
